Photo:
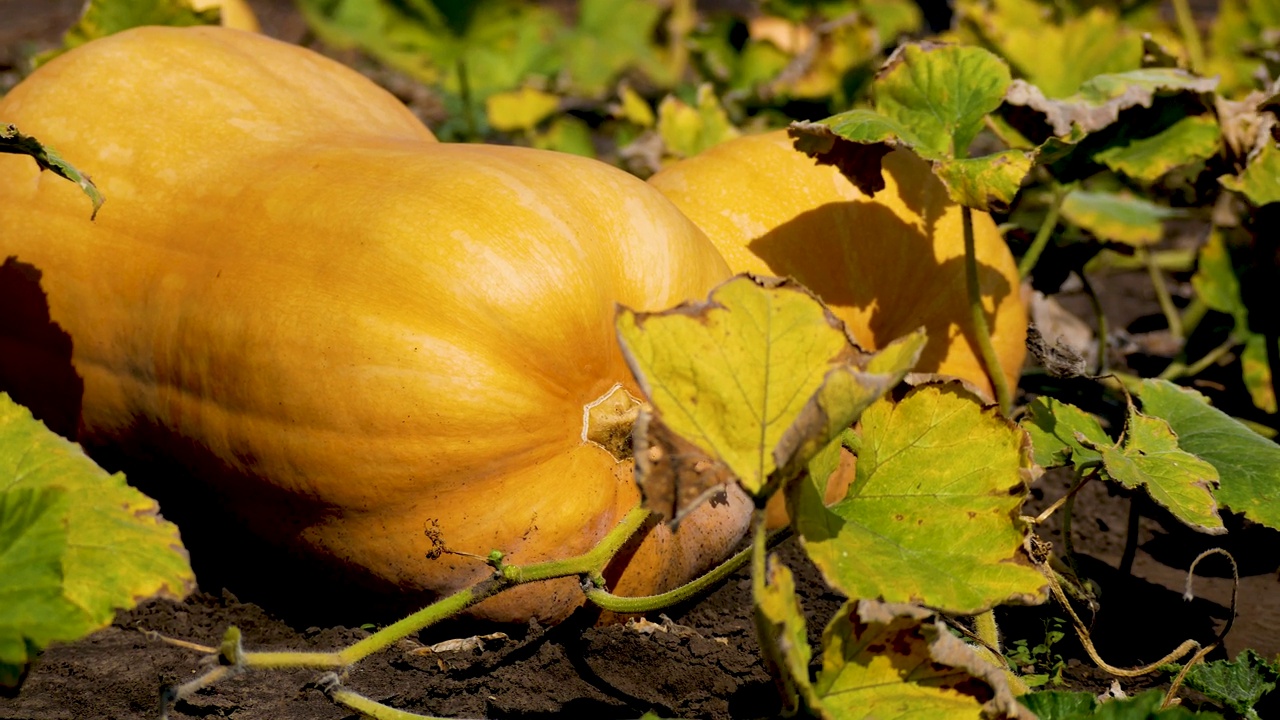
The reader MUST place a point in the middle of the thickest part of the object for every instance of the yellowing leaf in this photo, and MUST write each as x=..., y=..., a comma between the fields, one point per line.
x=688, y=130
x=886, y=660
x=1056, y=431
x=931, y=516
x=781, y=628
x=106, y=17
x=1189, y=140
x=1260, y=181
x=1117, y=218
x=1100, y=99
x=635, y=108
x=758, y=379
x=84, y=543
x=1177, y=480
x=520, y=109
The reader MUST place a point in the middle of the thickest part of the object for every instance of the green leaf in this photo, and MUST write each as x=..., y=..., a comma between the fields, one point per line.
x=1057, y=430
x=610, y=37
x=941, y=92
x=931, y=516
x=1260, y=181
x=15, y=143
x=101, y=18
x=932, y=99
x=487, y=45
x=688, y=130
x=885, y=660
x=758, y=379
x=1248, y=464
x=1060, y=704
x=1101, y=99
x=33, y=610
x=1179, y=481
x=1191, y=139
x=1125, y=219
x=1077, y=706
x=1237, y=684
x=110, y=548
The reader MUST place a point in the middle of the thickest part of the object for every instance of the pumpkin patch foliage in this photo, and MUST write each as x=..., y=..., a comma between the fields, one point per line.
x=640, y=289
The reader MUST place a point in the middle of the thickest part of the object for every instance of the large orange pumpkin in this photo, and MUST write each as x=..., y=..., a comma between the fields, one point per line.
x=886, y=265
x=365, y=341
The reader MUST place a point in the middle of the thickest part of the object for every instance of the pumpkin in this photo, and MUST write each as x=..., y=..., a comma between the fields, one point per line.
x=368, y=343
x=886, y=264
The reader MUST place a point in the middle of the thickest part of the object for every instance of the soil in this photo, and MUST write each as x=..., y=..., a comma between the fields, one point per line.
x=700, y=660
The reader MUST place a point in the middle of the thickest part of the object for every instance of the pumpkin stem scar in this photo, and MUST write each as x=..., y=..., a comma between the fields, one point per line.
x=607, y=421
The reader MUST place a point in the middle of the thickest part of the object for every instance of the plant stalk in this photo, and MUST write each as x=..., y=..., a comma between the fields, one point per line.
x=1190, y=34
x=1100, y=318
x=1171, y=315
x=1032, y=256
x=981, y=331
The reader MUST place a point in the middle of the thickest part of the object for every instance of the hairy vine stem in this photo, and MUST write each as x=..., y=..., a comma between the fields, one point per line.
x=981, y=330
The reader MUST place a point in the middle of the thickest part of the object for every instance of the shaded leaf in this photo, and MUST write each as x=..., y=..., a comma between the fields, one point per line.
x=1189, y=140
x=1117, y=218
x=758, y=379
x=1260, y=181
x=1177, y=480
x=931, y=514
x=885, y=660
x=112, y=547
x=1215, y=280
x=1099, y=101
x=1062, y=433
x=1237, y=684
x=1256, y=372
x=14, y=142
x=1248, y=464
x=1060, y=704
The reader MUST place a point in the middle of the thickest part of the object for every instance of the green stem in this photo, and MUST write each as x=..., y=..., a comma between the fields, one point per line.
x=468, y=108
x=984, y=626
x=1171, y=315
x=1192, y=314
x=981, y=331
x=1130, y=538
x=619, y=604
x=1180, y=370
x=370, y=708
x=1032, y=256
x=1100, y=318
x=1190, y=34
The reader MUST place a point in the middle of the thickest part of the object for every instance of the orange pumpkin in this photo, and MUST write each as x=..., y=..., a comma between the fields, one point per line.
x=365, y=341
x=886, y=265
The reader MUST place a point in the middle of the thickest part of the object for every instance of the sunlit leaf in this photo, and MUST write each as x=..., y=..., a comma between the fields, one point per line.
x=1178, y=481
x=1059, y=433
x=688, y=130
x=1126, y=219
x=1248, y=464
x=1260, y=181
x=520, y=109
x=567, y=134
x=489, y=45
x=885, y=660
x=76, y=544
x=986, y=183
x=101, y=18
x=634, y=108
x=14, y=142
x=781, y=629
x=1189, y=140
x=931, y=515
x=759, y=379
x=1100, y=100
x=1237, y=684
